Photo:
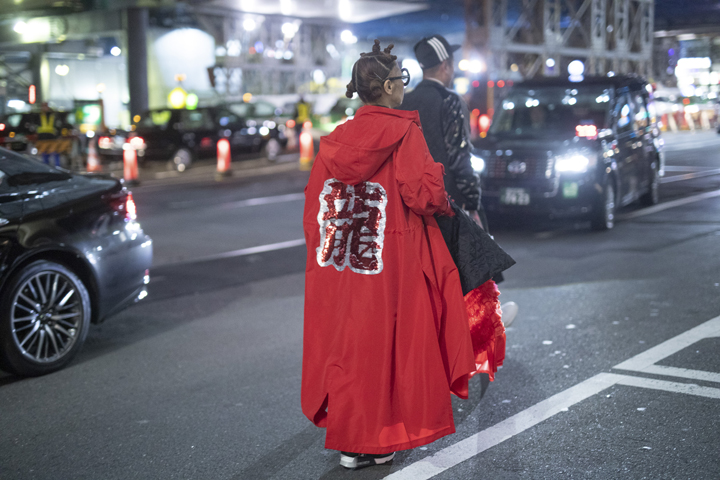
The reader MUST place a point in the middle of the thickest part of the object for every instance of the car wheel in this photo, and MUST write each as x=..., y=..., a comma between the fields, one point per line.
x=272, y=149
x=182, y=159
x=44, y=319
x=604, y=217
x=652, y=196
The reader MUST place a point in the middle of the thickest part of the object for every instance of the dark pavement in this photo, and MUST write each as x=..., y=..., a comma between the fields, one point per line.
x=201, y=380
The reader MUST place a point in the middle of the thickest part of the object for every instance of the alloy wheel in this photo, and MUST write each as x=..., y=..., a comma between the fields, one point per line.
x=46, y=317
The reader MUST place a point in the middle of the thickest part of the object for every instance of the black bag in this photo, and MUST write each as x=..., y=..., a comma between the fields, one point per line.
x=477, y=257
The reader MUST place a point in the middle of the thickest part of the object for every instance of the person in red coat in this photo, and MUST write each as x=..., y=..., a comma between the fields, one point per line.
x=386, y=334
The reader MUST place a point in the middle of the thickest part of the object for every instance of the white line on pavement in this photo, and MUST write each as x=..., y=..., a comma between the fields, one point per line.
x=490, y=437
x=645, y=362
x=244, y=251
x=682, y=168
x=475, y=444
x=251, y=202
x=667, y=205
x=690, y=176
x=675, y=387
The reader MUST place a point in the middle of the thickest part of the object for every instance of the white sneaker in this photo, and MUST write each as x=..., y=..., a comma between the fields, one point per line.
x=509, y=312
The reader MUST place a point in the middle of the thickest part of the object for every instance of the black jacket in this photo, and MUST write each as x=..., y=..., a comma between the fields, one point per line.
x=444, y=119
x=476, y=255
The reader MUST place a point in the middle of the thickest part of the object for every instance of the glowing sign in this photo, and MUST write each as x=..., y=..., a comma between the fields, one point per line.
x=588, y=131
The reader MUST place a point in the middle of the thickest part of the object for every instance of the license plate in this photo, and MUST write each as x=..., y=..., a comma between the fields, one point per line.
x=570, y=189
x=514, y=196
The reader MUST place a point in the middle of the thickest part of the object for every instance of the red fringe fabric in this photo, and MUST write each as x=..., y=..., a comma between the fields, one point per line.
x=486, y=328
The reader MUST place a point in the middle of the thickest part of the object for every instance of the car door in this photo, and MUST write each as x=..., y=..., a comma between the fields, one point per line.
x=629, y=146
x=199, y=131
x=644, y=135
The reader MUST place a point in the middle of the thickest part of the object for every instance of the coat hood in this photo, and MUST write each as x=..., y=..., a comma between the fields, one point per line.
x=357, y=149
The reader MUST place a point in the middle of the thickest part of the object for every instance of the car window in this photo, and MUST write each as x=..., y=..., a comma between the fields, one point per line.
x=226, y=117
x=18, y=170
x=155, y=118
x=641, y=113
x=555, y=111
x=241, y=109
x=14, y=120
x=196, y=119
x=623, y=113
x=264, y=109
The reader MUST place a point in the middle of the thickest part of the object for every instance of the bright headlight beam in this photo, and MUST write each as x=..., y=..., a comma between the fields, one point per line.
x=478, y=164
x=572, y=164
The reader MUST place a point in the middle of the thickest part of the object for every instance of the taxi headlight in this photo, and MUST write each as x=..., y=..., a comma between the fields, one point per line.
x=574, y=163
x=478, y=164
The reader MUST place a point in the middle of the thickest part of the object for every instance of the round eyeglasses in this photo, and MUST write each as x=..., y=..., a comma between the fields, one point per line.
x=405, y=77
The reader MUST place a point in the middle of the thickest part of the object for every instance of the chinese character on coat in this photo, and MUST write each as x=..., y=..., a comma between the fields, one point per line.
x=352, y=226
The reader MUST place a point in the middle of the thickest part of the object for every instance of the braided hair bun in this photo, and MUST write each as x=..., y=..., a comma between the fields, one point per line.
x=369, y=72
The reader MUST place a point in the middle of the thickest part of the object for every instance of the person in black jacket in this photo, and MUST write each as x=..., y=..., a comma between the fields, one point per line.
x=444, y=118
x=445, y=122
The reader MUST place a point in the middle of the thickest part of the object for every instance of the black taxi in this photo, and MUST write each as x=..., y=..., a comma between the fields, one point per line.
x=561, y=148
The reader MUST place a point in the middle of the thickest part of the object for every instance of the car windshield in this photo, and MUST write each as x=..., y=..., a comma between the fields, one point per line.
x=551, y=111
x=155, y=118
x=17, y=170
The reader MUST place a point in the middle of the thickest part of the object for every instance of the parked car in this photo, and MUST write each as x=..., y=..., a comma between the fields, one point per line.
x=110, y=144
x=559, y=148
x=181, y=136
x=71, y=253
x=23, y=132
x=343, y=109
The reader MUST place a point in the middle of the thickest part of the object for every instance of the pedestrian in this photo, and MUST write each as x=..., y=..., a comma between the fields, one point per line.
x=386, y=333
x=445, y=123
x=301, y=114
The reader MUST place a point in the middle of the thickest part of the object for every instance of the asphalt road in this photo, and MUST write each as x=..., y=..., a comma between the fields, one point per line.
x=612, y=368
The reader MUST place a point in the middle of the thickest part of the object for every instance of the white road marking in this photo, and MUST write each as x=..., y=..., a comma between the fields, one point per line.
x=690, y=176
x=645, y=362
x=251, y=202
x=675, y=387
x=244, y=251
x=490, y=437
x=683, y=168
x=248, y=202
x=668, y=205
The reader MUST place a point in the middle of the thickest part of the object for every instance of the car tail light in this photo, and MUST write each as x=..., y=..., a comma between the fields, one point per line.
x=484, y=123
x=2, y=127
x=290, y=123
x=137, y=142
x=587, y=131
x=104, y=142
x=130, y=207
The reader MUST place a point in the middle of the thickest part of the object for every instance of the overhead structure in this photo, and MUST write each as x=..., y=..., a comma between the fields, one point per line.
x=542, y=37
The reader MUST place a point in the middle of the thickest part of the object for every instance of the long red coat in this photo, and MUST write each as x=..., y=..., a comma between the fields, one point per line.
x=386, y=335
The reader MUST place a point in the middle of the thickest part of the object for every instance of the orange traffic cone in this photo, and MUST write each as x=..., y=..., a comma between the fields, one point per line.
x=474, y=123
x=130, y=166
x=291, y=135
x=93, y=162
x=223, y=159
x=307, y=149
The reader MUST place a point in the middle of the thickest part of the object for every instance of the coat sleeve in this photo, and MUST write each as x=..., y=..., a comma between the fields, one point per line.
x=419, y=177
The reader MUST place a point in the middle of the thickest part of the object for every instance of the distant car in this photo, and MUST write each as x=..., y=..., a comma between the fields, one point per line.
x=343, y=109
x=558, y=148
x=110, y=144
x=71, y=254
x=181, y=136
x=23, y=132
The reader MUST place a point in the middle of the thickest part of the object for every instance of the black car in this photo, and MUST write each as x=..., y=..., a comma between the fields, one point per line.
x=561, y=149
x=71, y=254
x=43, y=134
x=181, y=136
